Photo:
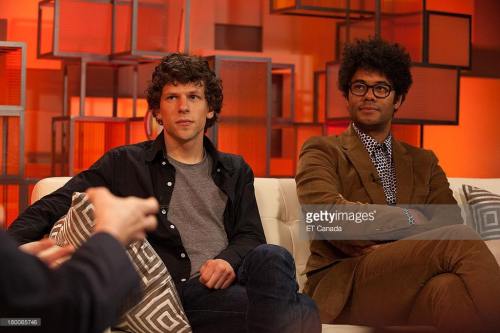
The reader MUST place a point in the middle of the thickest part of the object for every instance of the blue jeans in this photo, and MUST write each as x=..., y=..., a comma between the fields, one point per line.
x=263, y=299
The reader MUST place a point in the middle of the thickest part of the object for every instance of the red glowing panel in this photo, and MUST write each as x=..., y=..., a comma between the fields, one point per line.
x=281, y=4
x=336, y=127
x=103, y=106
x=357, y=30
x=158, y=28
x=325, y=8
x=248, y=140
x=402, y=22
x=282, y=167
x=319, y=96
x=10, y=166
x=93, y=139
x=283, y=142
x=76, y=35
x=407, y=133
x=449, y=39
x=336, y=107
x=243, y=129
x=470, y=149
x=460, y=7
x=137, y=131
x=406, y=30
x=421, y=104
x=432, y=98
x=10, y=75
x=46, y=23
x=123, y=26
x=282, y=93
x=305, y=132
x=9, y=199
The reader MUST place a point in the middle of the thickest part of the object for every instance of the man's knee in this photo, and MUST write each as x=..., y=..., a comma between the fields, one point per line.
x=444, y=301
x=270, y=258
x=271, y=253
x=445, y=284
x=459, y=232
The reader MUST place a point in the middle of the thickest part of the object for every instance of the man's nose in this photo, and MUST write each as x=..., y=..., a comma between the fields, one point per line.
x=183, y=104
x=369, y=94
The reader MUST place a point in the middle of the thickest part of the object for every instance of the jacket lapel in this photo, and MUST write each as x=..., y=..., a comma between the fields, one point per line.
x=358, y=155
x=404, y=172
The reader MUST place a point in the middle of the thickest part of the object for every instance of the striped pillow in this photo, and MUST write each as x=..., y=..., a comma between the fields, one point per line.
x=160, y=309
x=484, y=207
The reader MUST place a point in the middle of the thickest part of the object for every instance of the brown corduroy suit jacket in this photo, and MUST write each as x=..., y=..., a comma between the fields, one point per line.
x=338, y=170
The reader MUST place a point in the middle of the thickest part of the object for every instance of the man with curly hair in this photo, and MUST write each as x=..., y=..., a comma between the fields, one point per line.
x=413, y=265
x=209, y=232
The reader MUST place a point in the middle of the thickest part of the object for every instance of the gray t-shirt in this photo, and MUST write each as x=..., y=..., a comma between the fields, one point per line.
x=197, y=211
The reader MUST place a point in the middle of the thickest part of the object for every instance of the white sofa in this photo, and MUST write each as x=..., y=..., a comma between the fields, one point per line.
x=280, y=212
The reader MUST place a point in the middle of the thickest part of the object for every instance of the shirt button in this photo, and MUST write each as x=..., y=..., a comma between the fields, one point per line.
x=172, y=226
x=163, y=163
x=183, y=280
x=164, y=211
x=183, y=255
x=218, y=169
x=169, y=183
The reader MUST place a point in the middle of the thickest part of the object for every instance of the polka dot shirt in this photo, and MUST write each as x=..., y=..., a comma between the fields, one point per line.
x=381, y=156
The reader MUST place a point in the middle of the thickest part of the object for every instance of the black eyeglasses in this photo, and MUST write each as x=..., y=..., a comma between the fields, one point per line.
x=380, y=90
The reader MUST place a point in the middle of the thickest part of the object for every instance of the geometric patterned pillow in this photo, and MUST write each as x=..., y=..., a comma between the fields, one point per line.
x=485, y=211
x=160, y=309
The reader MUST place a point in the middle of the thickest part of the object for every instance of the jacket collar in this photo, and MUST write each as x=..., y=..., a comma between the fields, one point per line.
x=371, y=144
x=358, y=155
x=403, y=163
x=157, y=150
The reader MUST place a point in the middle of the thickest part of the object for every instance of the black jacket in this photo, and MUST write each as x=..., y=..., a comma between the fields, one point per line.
x=143, y=170
x=86, y=294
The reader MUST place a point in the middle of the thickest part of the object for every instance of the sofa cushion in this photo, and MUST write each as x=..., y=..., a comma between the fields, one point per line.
x=484, y=208
x=160, y=309
x=281, y=217
x=456, y=185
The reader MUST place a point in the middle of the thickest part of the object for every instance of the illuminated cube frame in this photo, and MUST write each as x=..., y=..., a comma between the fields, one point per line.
x=16, y=110
x=131, y=54
x=429, y=62
x=301, y=8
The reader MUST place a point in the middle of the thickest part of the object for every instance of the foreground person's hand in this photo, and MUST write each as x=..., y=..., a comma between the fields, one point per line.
x=47, y=251
x=217, y=274
x=126, y=219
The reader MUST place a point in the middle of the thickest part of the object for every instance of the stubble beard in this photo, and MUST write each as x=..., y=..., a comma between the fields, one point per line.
x=377, y=126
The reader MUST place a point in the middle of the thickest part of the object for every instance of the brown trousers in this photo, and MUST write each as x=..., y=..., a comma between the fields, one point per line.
x=452, y=284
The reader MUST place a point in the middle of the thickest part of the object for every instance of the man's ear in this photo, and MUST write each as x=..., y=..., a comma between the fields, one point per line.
x=210, y=114
x=157, y=116
x=156, y=113
x=346, y=100
x=397, y=102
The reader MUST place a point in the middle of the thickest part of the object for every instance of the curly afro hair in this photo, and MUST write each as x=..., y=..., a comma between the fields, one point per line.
x=182, y=68
x=375, y=54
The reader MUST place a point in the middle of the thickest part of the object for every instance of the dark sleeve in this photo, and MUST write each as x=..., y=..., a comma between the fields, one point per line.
x=38, y=219
x=86, y=294
x=247, y=232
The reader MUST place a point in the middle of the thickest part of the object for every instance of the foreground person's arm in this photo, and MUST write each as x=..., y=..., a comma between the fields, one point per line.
x=91, y=290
